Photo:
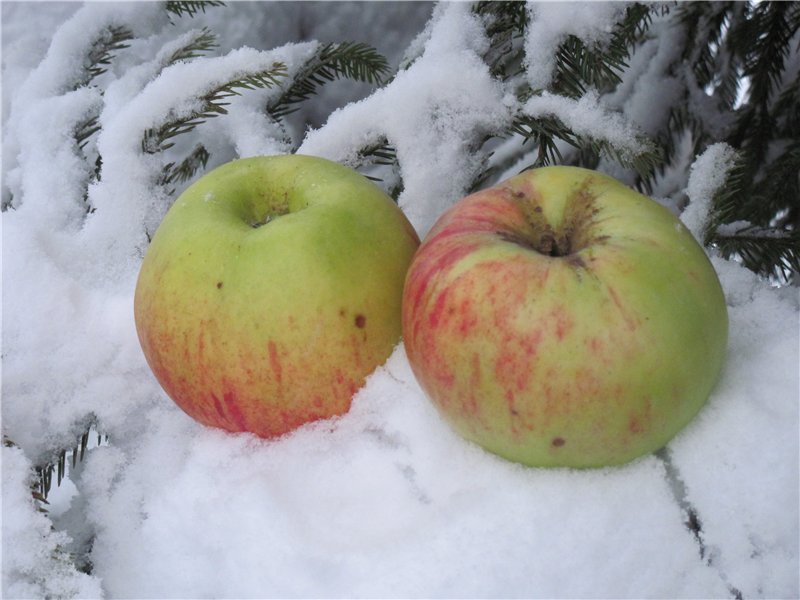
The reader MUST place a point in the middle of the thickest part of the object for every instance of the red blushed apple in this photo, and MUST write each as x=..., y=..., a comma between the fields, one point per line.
x=562, y=319
x=270, y=291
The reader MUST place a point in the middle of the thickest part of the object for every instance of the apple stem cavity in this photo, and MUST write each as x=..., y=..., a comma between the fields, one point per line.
x=273, y=211
x=575, y=232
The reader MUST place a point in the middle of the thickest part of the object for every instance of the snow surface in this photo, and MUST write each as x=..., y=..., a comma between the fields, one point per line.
x=385, y=501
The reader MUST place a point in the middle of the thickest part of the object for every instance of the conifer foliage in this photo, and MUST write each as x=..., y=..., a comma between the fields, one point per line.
x=741, y=88
x=732, y=70
x=166, y=140
x=746, y=58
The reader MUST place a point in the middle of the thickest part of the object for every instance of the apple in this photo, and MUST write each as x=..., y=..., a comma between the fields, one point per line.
x=270, y=290
x=562, y=319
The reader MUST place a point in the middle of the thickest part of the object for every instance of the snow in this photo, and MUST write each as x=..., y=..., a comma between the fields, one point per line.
x=705, y=179
x=551, y=24
x=448, y=103
x=385, y=501
x=589, y=118
x=32, y=565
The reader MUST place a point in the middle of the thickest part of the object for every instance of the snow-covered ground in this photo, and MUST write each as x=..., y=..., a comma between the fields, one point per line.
x=385, y=501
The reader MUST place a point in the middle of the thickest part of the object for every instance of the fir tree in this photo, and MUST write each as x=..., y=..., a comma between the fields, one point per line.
x=735, y=80
x=744, y=58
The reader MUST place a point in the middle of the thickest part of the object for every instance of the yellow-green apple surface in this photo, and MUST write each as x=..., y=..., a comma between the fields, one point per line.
x=270, y=290
x=562, y=319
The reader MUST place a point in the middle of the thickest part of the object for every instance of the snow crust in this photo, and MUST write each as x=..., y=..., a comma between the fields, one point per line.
x=385, y=501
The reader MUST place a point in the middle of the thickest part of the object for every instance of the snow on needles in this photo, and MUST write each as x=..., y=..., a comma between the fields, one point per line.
x=588, y=118
x=706, y=177
x=385, y=501
x=550, y=25
x=433, y=113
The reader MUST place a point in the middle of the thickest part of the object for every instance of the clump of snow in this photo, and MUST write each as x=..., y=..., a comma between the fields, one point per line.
x=172, y=96
x=739, y=458
x=35, y=563
x=550, y=25
x=587, y=117
x=648, y=90
x=707, y=176
x=386, y=500
x=435, y=113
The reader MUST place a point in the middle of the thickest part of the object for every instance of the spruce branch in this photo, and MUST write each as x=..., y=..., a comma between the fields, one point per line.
x=85, y=129
x=767, y=34
x=775, y=196
x=203, y=41
x=211, y=104
x=504, y=23
x=82, y=133
x=356, y=61
x=61, y=461
x=707, y=44
x=101, y=52
x=644, y=162
x=787, y=109
x=580, y=67
x=763, y=39
x=380, y=153
x=187, y=168
x=190, y=8
x=502, y=16
x=758, y=219
x=768, y=251
x=544, y=131
x=727, y=201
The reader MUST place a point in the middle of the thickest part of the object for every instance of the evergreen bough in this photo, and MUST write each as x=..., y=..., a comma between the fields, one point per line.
x=743, y=58
x=346, y=60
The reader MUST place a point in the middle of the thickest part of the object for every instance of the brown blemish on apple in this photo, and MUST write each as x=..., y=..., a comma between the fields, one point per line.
x=558, y=442
x=630, y=321
x=641, y=421
x=635, y=425
x=576, y=261
x=360, y=321
x=272, y=210
x=518, y=239
x=219, y=285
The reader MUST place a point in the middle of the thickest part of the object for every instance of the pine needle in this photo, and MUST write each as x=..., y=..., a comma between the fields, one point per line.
x=101, y=52
x=204, y=41
x=190, y=8
x=187, y=168
x=212, y=105
x=351, y=60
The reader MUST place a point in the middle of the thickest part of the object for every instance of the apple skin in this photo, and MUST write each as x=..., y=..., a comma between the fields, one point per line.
x=270, y=290
x=561, y=319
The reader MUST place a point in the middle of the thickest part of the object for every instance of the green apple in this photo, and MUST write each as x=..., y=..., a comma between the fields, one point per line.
x=271, y=289
x=562, y=319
